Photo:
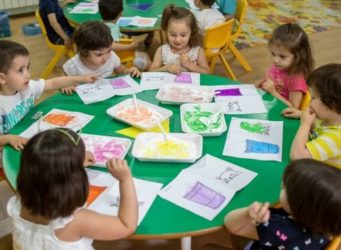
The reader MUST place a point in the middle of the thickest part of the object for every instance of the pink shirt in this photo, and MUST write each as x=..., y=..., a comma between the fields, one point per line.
x=286, y=83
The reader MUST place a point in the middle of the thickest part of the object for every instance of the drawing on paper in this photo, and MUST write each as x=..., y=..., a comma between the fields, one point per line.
x=60, y=120
x=109, y=150
x=205, y=196
x=199, y=121
x=142, y=6
x=228, y=92
x=91, y=89
x=119, y=83
x=233, y=107
x=260, y=147
x=258, y=128
x=115, y=202
x=183, y=77
x=155, y=78
x=228, y=175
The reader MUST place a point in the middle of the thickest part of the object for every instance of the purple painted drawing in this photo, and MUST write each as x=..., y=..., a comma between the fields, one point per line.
x=183, y=77
x=228, y=92
x=204, y=195
x=119, y=84
x=112, y=149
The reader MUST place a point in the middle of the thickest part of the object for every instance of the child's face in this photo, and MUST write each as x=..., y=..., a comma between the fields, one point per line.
x=97, y=58
x=318, y=107
x=178, y=34
x=17, y=77
x=283, y=199
x=281, y=57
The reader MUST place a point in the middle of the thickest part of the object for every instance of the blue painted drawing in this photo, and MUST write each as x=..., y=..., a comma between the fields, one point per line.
x=261, y=147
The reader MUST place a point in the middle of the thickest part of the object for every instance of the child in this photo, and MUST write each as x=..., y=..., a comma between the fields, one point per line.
x=309, y=213
x=292, y=63
x=207, y=16
x=94, y=54
x=111, y=11
x=325, y=105
x=18, y=92
x=58, y=29
x=227, y=7
x=55, y=217
x=183, y=51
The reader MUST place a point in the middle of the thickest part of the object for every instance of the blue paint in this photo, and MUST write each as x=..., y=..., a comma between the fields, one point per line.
x=261, y=147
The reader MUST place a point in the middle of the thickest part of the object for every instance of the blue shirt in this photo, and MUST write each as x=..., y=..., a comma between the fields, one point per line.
x=227, y=6
x=52, y=6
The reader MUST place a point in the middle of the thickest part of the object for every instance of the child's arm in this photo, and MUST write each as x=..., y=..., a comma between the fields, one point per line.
x=295, y=98
x=291, y=113
x=102, y=227
x=157, y=66
x=243, y=221
x=116, y=46
x=59, y=30
x=15, y=141
x=269, y=86
x=298, y=147
x=201, y=66
x=89, y=159
x=65, y=81
x=133, y=71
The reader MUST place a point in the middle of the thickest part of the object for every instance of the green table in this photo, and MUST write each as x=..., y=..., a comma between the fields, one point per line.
x=164, y=219
x=154, y=11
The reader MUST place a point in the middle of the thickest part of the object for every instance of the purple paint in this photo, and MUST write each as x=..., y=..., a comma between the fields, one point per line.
x=119, y=84
x=183, y=77
x=204, y=195
x=228, y=92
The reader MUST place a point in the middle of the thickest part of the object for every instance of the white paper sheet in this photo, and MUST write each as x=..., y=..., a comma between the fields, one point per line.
x=143, y=21
x=154, y=80
x=85, y=8
x=239, y=99
x=254, y=139
x=207, y=186
x=194, y=7
x=124, y=85
x=99, y=178
x=95, y=92
x=108, y=201
x=58, y=118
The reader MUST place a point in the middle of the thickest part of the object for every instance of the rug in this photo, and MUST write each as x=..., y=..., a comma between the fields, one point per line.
x=265, y=15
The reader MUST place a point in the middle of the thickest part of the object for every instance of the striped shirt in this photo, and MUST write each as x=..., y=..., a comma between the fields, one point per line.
x=326, y=145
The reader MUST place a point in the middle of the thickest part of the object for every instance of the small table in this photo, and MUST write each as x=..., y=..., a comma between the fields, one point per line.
x=164, y=219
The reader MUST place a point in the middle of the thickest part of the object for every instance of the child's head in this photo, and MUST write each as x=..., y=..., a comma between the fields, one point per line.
x=290, y=49
x=52, y=181
x=325, y=85
x=93, y=40
x=208, y=3
x=181, y=27
x=14, y=66
x=110, y=10
x=311, y=189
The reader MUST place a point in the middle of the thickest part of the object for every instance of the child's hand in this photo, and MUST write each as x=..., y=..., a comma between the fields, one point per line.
x=134, y=45
x=185, y=61
x=174, y=68
x=89, y=159
x=133, y=71
x=17, y=142
x=119, y=169
x=88, y=78
x=308, y=116
x=259, y=83
x=269, y=86
x=291, y=113
x=68, y=43
x=68, y=90
x=258, y=212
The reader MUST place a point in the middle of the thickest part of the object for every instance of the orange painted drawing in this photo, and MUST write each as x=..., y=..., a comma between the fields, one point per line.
x=60, y=120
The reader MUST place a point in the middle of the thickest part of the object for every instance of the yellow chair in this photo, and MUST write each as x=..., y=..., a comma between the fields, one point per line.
x=127, y=57
x=216, y=43
x=334, y=244
x=59, y=50
x=305, y=101
x=238, y=21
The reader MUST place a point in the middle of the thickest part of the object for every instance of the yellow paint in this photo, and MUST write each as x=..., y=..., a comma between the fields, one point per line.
x=133, y=132
x=166, y=149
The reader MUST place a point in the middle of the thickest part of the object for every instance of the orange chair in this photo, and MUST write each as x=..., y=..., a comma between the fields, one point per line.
x=334, y=244
x=238, y=21
x=305, y=101
x=127, y=57
x=60, y=50
x=216, y=43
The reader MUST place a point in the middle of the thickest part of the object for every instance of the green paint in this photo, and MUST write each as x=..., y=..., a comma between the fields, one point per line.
x=258, y=128
x=201, y=121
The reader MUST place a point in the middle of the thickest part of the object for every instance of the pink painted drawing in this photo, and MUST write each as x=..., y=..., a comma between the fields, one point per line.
x=204, y=195
x=119, y=84
x=183, y=77
x=112, y=149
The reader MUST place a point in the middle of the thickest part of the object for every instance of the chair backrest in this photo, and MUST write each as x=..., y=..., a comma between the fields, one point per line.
x=218, y=36
x=127, y=56
x=334, y=244
x=40, y=22
x=305, y=101
x=239, y=17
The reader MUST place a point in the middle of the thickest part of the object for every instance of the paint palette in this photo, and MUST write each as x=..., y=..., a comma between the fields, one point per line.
x=205, y=119
x=178, y=94
x=179, y=147
x=104, y=148
x=144, y=115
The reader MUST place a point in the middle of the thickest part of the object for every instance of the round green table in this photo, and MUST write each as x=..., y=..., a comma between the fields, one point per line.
x=164, y=219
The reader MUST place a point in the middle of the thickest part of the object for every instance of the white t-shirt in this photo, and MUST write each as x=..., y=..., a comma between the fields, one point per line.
x=28, y=235
x=13, y=108
x=207, y=18
x=75, y=67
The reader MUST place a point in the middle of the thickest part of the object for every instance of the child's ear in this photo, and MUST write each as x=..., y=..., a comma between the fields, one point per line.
x=2, y=78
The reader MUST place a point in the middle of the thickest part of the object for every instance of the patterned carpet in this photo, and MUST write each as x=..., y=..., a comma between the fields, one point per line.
x=264, y=15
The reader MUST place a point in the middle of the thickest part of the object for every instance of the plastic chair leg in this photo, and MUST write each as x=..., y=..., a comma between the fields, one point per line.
x=212, y=64
x=239, y=57
x=47, y=71
x=227, y=67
